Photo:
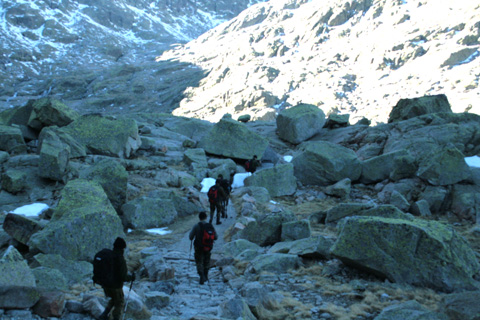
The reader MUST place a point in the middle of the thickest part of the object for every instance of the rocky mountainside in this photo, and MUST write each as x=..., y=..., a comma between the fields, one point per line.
x=358, y=57
x=99, y=54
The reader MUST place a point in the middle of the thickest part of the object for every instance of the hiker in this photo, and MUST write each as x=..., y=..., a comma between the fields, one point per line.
x=227, y=187
x=204, y=234
x=113, y=288
x=252, y=164
x=216, y=196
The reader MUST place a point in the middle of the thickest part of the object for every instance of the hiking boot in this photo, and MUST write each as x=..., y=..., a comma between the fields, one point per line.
x=218, y=222
x=206, y=274
x=202, y=279
x=104, y=315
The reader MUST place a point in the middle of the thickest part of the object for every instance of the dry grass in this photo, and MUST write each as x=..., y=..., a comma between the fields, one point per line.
x=288, y=309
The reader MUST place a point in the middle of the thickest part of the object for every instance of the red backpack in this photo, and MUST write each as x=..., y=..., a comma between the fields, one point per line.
x=213, y=194
x=247, y=165
x=207, y=236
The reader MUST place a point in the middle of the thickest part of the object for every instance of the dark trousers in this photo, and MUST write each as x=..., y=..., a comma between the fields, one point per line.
x=216, y=206
x=117, y=301
x=202, y=261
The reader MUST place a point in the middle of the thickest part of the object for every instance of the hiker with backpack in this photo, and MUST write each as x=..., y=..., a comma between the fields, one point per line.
x=203, y=235
x=110, y=271
x=252, y=164
x=227, y=187
x=216, y=196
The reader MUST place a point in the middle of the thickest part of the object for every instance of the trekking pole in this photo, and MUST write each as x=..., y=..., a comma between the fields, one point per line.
x=126, y=303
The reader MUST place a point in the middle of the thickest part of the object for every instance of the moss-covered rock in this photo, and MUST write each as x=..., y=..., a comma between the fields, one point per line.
x=49, y=112
x=113, y=177
x=77, y=150
x=409, y=108
x=54, y=157
x=106, y=136
x=233, y=139
x=379, y=168
x=299, y=123
x=83, y=223
x=409, y=310
x=267, y=228
x=279, y=180
x=11, y=140
x=325, y=163
x=50, y=279
x=20, y=228
x=274, y=262
x=422, y=253
x=15, y=270
x=234, y=248
x=295, y=230
x=14, y=180
x=73, y=271
x=147, y=212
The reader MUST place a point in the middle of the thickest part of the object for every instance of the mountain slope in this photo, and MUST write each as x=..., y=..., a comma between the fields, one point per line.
x=357, y=57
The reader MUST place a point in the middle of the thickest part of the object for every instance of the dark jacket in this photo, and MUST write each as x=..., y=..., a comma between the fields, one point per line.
x=226, y=186
x=121, y=271
x=195, y=234
x=221, y=195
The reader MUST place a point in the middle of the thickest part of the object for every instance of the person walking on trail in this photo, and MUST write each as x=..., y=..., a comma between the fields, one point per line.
x=227, y=187
x=216, y=196
x=204, y=234
x=252, y=164
x=113, y=288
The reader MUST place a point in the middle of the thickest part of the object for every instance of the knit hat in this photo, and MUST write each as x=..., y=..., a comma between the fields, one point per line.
x=119, y=243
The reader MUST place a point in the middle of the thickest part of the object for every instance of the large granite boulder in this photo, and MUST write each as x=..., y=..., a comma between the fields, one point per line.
x=83, y=223
x=465, y=202
x=236, y=308
x=148, y=212
x=267, y=228
x=236, y=247
x=197, y=162
x=295, y=230
x=344, y=210
x=54, y=157
x=73, y=271
x=105, y=135
x=233, y=139
x=410, y=108
x=300, y=123
x=462, y=305
x=112, y=176
x=274, y=262
x=20, y=228
x=47, y=112
x=49, y=279
x=324, y=163
x=381, y=167
x=77, y=150
x=315, y=247
x=418, y=252
x=278, y=180
x=11, y=140
x=445, y=167
x=14, y=180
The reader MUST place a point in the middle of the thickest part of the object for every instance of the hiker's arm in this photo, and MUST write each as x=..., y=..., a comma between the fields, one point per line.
x=193, y=232
x=124, y=271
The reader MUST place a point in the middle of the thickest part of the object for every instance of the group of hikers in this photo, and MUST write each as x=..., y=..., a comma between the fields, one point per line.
x=110, y=267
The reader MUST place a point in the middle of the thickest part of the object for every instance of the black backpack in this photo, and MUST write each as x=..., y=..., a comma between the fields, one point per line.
x=206, y=236
x=103, y=268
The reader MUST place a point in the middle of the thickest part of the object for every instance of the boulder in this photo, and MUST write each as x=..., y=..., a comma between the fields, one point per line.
x=267, y=228
x=197, y=162
x=11, y=140
x=316, y=247
x=14, y=180
x=14, y=270
x=148, y=212
x=295, y=230
x=236, y=308
x=461, y=306
x=18, y=297
x=83, y=223
x=156, y=300
x=73, y=271
x=54, y=157
x=324, y=163
x=341, y=189
x=422, y=253
x=113, y=178
x=344, y=210
x=436, y=197
x=77, y=150
x=50, y=304
x=279, y=180
x=399, y=201
x=233, y=139
x=379, y=168
x=274, y=262
x=259, y=194
x=48, y=112
x=409, y=310
x=299, y=123
x=336, y=120
x=409, y=108
x=421, y=208
x=221, y=166
x=20, y=228
x=49, y=279
x=156, y=269
x=465, y=202
x=234, y=248
x=445, y=167
x=106, y=136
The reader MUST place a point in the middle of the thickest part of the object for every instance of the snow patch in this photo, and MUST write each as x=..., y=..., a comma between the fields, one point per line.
x=473, y=161
x=159, y=231
x=239, y=178
x=288, y=158
x=31, y=210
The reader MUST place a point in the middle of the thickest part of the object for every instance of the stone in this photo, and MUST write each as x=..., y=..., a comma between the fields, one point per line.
x=236, y=308
x=156, y=299
x=279, y=180
x=54, y=157
x=465, y=202
x=299, y=123
x=148, y=212
x=315, y=247
x=409, y=310
x=399, y=201
x=11, y=140
x=244, y=118
x=436, y=197
x=106, y=136
x=409, y=108
x=421, y=208
x=156, y=269
x=274, y=262
x=18, y=297
x=266, y=229
x=50, y=304
x=77, y=149
x=15, y=270
x=295, y=230
x=415, y=252
x=73, y=271
x=233, y=139
x=20, y=228
x=336, y=120
x=83, y=223
x=344, y=210
x=48, y=112
x=14, y=181
x=49, y=279
x=259, y=194
x=461, y=306
x=236, y=247
x=325, y=163
x=341, y=189
x=379, y=168
x=196, y=159
x=113, y=177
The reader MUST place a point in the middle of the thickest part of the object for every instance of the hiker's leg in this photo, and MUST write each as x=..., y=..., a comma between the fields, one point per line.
x=118, y=303
x=206, y=265
x=109, y=294
x=212, y=211
x=199, y=261
x=218, y=206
